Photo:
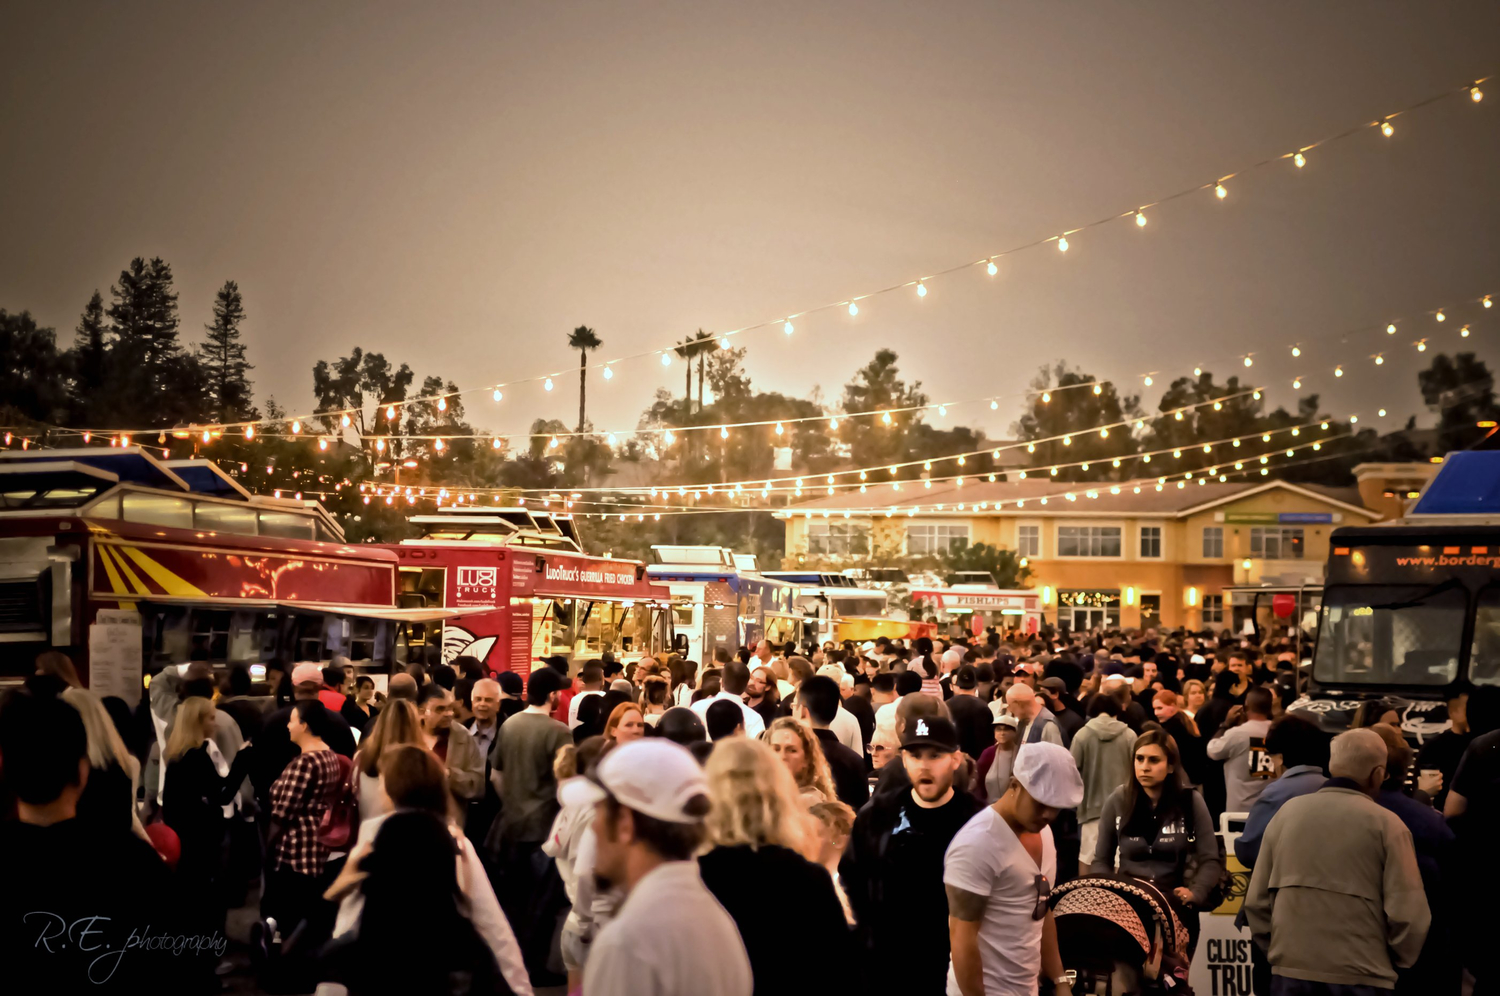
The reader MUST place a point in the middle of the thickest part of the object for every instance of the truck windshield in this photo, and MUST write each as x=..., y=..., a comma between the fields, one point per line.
x=1390, y=635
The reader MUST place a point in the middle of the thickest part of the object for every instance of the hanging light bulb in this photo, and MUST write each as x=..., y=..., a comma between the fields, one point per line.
x=610, y=439
x=1379, y=360
x=207, y=436
x=1464, y=331
x=992, y=268
x=853, y=309
x=1255, y=395
x=666, y=358
x=1421, y=345
x=723, y=432
x=1067, y=440
x=443, y=403
x=1218, y=406
x=380, y=446
x=942, y=410
x=921, y=289
x=546, y=386
x=1296, y=350
x=296, y=427
x=724, y=342
x=1197, y=371
x=994, y=406
x=1062, y=243
x=1098, y=389
x=1220, y=192
x=1140, y=219
x=1046, y=397
x=1387, y=129
x=1476, y=94
x=1148, y=380
x=1338, y=371
x=1178, y=415
x=779, y=429
x=495, y=443
x=788, y=328
x=833, y=423
x=437, y=444
x=1104, y=433
x=1324, y=426
x=497, y=395
x=885, y=417
x=1487, y=302
x=668, y=437
x=323, y=444
x=1300, y=160
x=249, y=432
x=390, y=411
x=1381, y=413
x=1249, y=362
x=1440, y=316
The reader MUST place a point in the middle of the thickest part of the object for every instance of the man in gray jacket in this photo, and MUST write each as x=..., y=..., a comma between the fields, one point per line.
x=1336, y=890
x=1102, y=749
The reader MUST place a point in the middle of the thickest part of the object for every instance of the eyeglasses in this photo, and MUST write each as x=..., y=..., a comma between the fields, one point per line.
x=1043, y=890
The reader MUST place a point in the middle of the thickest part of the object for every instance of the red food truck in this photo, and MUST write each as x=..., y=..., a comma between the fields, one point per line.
x=521, y=589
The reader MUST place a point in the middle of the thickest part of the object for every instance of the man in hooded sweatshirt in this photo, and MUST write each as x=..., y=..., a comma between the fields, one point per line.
x=1102, y=749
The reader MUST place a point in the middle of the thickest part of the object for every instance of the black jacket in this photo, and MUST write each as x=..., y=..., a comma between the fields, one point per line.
x=860, y=708
x=975, y=723
x=274, y=749
x=754, y=886
x=892, y=873
x=847, y=768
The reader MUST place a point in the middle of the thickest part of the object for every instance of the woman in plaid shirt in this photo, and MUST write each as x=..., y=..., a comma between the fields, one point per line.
x=305, y=790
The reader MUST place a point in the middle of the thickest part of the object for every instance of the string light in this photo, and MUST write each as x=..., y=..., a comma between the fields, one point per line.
x=390, y=410
x=788, y=328
x=437, y=444
x=853, y=309
x=1148, y=380
x=723, y=433
x=1046, y=397
x=1197, y=371
x=992, y=268
x=1296, y=350
x=1338, y=371
x=1464, y=332
x=1220, y=192
x=1387, y=129
x=1300, y=160
x=724, y=342
x=1440, y=316
x=1487, y=302
x=1140, y=219
x=323, y=444
x=495, y=443
x=1421, y=345
x=921, y=289
x=833, y=424
x=1379, y=360
x=1249, y=362
x=1098, y=389
x=1390, y=329
x=1062, y=243
x=443, y=402
x=546, y=386
x=249, y=432
x=296, y=427
x=666, y=359
x=779, y=429
x=1476, y=94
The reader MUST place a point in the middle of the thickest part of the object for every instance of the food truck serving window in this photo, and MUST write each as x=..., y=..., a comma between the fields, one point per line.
x=1484, y=656
x=578, y=626
x=1391, y=634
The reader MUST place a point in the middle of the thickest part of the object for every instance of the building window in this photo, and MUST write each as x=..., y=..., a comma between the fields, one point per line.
x=838, y=539
x=1088, y=541
x=1151, y=542
x=1213, y=608
x=935, y=539
x=1213, y=542
x=1029, y=541
x=1276, y=542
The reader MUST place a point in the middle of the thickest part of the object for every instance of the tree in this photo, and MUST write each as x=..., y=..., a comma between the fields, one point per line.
x=1068, y=414
x=88, y=361
x=1187, y=421
x=31, y=369
x=726, y=376
x=354, y=381
x=877, y=386
x=583, y=339
x=1003, y=565
x=144, y=312
x=223, y=357
x=1461, y=391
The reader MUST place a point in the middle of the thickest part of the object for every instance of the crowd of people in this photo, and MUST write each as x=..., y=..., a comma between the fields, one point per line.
x=890, y=817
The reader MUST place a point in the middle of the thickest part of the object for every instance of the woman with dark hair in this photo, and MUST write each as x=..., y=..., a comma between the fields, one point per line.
x=1162, y=829
x=413, y=781
x=55, y=662
x=412, y=868
x=299, y=798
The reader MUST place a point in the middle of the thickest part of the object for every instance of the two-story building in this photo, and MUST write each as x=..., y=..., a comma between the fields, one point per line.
x=1100, y=554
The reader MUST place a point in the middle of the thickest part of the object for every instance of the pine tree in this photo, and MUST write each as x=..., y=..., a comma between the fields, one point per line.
x=223, y=356
x=144, y=314
x=88, y=361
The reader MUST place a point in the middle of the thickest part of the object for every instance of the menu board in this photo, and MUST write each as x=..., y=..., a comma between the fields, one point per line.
x=115, y=655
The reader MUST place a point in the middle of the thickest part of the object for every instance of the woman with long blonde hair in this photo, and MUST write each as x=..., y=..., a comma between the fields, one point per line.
x=797, y=746
x=109, y=795
x=398, y=723
x=761, y=836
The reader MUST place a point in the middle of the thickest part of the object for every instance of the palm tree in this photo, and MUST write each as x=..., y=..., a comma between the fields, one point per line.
x=702, y=344
x=583, y=339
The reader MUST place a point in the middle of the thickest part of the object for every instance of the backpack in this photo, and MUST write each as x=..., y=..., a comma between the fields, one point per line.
x=336, y=827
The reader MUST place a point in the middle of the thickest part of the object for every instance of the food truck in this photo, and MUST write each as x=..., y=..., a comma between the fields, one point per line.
x=127, y=563
x=521, y=589
x=977, y=606
x=719, y=599
x=832, y=602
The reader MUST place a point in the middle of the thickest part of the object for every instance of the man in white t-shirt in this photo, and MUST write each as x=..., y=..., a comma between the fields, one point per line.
x=998, y=872
x=732, y=684
x=670, y=937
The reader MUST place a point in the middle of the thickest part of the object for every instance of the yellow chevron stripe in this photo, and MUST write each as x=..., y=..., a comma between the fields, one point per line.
x=116, y=583
x=170, y=583
x=130, y=575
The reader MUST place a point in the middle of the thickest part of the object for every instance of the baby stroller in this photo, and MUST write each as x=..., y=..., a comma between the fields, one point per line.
x=1121, y=937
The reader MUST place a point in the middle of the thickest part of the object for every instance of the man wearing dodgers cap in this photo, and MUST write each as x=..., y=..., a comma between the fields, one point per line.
x=998, y=872
x=670, y=937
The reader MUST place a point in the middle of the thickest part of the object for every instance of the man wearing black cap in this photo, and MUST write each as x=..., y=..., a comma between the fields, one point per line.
x=971, y=717
x=893, y=869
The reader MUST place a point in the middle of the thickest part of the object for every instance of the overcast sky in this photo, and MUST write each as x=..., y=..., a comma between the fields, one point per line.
x=458, y=185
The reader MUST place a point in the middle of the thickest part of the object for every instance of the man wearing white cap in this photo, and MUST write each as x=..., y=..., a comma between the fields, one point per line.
x=998, y=872
x=670, y=937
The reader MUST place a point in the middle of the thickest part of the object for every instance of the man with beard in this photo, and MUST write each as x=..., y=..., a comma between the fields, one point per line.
x=893, y=868
x=998, y=872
